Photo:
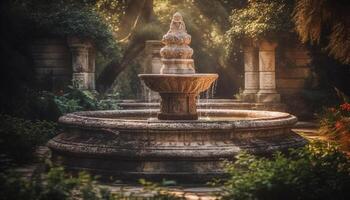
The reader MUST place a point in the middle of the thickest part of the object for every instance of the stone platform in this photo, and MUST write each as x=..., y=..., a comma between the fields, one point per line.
x=132, y=104
x=134, y=144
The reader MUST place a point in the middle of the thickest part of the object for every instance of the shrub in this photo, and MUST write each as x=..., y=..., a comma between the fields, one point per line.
x=260, y=19
x=19, y=137
x=317, y=171
x=77, y=100
x=72, y=18
x=58, y=185
x=335, y=123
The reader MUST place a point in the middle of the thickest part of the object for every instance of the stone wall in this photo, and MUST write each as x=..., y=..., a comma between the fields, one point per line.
x=292, y=70
x=52, y=63
x=59, y=62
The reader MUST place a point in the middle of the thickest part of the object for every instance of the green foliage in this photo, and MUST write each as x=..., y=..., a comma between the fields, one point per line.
x=260, y=19
x=159, y=193
x=326, y=23
x=72, y=18
x=19, y=137
x=317, y=171
x=150, y=31
x=58, y=185
x=55, y=185
x=335, y=123
x=45, y=105
x=78, y=100
x=127, y=84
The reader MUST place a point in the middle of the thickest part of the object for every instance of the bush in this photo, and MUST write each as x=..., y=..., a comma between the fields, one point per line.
x=260, y=19
x=72, y=18
x=335, y=123
x=58, y=185
x=19, y=137
x=317, y=171
x=78, y=100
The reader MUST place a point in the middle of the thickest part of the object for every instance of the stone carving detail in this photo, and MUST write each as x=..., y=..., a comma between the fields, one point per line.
x=177, y=83
x=176, y=54
x=83, y=63
x=267, y=88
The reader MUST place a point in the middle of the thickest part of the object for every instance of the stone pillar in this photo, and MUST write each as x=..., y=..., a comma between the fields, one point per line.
x=83, y=64
x=267, y=75
x=152, y=65
x=251, y=73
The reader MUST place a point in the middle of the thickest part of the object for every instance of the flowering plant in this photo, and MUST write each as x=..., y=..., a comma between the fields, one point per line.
x=335, y=122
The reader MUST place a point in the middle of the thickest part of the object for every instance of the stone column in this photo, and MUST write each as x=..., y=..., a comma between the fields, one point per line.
x=251, y=73
x=267, y=78
x=152, y=65
x=83, y=64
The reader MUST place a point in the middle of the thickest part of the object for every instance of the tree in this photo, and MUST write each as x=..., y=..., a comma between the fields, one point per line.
x=133, y=29
x=326, y=23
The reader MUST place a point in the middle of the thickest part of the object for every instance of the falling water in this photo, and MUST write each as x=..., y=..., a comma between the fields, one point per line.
x=213, y=88
x=147, y=97
x=198, y=100
x=149, y=102
x=207, y=95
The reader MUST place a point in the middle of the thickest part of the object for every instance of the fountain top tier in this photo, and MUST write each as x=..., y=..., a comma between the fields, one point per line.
x=177, y=83
x=176, y=54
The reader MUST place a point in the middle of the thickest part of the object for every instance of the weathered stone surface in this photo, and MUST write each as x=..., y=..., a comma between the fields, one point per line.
x=297, y=72
x=208, y=104
x=178, y=93
x=251, y=74
x=51, y=62
x=177, y=83
x=267, y=78
x=291, y=83
x=83, y=63
x=128, y=145
x=84, y=81
x=176, y=54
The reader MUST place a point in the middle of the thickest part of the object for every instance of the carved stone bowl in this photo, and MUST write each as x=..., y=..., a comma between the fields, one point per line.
x=178, y=83
x=133, y=144
x=179, y=93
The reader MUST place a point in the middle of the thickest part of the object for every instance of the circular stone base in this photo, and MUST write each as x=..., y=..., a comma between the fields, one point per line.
x=127, y=145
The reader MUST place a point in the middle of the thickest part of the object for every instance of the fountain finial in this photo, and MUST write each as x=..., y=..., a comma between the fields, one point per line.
x=176, y=54
x=177, y=23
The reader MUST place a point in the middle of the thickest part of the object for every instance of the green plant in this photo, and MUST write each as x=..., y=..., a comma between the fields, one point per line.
x=72, y=18
x=317, y=171
x=19, y=137
x=58, y=185
x=335, y=123
x=127, y=84
x=259, y=19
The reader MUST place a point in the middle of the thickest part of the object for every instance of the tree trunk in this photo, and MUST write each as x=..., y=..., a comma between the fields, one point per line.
x=137, y=13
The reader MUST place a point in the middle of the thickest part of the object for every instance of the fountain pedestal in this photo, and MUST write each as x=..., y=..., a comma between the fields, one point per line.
x=178, y=106
x=178, y=92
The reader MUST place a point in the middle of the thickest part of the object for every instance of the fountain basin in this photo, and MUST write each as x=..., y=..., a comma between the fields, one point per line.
x=178, y=92
x=133, y=144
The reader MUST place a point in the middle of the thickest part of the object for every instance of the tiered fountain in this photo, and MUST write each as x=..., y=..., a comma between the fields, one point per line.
x=174, y=143
x=178, y=84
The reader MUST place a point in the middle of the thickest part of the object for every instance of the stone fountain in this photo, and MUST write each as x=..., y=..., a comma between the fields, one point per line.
x=178, y=84
x=174, y=143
